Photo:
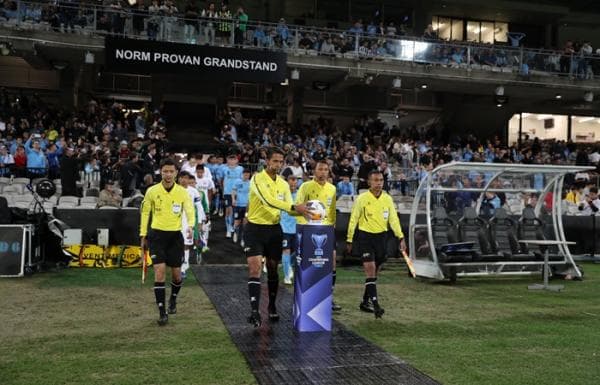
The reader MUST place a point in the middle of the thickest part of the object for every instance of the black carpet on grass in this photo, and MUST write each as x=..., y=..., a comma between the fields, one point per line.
x=279, y=355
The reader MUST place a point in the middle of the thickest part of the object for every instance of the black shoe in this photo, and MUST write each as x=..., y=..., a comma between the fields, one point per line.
x=254, y=319
x=273, y=315
x=335, y=306
x=172, y=307
x=163, y=320
x=378, y=311
x=366, y=307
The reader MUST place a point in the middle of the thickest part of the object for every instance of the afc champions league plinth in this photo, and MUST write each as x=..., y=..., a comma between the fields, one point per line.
x=313, y=293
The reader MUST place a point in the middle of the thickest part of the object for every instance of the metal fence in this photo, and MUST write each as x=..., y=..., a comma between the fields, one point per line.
x=164, y=24
x=92, y=179
x=12, y=171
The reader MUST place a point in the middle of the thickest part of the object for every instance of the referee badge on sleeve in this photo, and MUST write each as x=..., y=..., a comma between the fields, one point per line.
x=176, y=208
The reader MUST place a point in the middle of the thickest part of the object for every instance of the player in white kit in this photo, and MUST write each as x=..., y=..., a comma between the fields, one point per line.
x=186, y=179
x=206, y=186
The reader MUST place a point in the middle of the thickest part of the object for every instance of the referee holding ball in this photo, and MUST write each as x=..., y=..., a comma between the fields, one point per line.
x=164, y=203
x=269, y=194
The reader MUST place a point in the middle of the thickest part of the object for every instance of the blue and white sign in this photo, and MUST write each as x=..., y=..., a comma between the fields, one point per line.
x=313, y=293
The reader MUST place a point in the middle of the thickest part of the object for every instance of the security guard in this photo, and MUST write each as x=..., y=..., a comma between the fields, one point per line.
x=164, y=203
x=373, y=211
x=323, y=191
x=269, y=194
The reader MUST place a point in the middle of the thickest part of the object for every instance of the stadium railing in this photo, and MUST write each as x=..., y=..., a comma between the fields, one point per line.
x=12, y=171
x=301, y=40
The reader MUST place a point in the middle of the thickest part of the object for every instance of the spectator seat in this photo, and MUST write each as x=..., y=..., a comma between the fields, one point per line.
x=445, y=232
x=531, y=227
x=503, y=234
x=24, y=181
x=88, y=199
x=68, y=200
x=13, y=189
x=473, y=228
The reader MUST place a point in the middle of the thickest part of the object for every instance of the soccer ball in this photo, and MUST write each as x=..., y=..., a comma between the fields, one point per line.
x=317, y=211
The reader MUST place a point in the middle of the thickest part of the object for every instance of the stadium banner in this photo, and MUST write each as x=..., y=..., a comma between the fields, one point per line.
x=105, y=256
x=228, y=64
x=313, y=294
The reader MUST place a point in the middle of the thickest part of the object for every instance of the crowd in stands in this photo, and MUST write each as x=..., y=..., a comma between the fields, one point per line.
x=218, y=24
x=88, y=148
x=406, y=156
x=105, y=143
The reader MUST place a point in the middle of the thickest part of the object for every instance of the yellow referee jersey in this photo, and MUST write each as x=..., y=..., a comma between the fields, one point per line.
x=267, y=198
x=325, y=194
x=166, y=208
x=373, y=215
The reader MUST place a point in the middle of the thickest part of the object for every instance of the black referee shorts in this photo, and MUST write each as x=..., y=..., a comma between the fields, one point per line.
x=371, y=246
x=239, y=213
x=166, y=247
x=227, y=200
x=264, y=240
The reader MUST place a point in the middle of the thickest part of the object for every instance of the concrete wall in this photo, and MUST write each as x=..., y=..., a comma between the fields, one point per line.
x=475, y=115
x=534, y=126
x=16, y=72
x=579, y=34
x=588, y=131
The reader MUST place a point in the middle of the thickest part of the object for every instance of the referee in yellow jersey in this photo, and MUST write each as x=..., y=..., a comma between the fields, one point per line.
x=163, y=204
x=323, y=191
x=373, y=212
x=269, y=194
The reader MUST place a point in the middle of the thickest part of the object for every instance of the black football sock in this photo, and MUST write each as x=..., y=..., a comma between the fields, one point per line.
x=254, y=292
x=159, y=293
x=175, y=287
x=371, y=288
x=365, y=295
x=273, y=287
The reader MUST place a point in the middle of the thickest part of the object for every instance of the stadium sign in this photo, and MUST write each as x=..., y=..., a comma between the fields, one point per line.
x=228, y=64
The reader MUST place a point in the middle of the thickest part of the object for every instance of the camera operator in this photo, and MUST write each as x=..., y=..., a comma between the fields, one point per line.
x=591, y=204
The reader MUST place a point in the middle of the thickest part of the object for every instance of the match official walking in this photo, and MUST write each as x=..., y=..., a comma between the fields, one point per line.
x=373, y=211
x=269, y=194
x=164, y=204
